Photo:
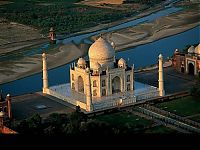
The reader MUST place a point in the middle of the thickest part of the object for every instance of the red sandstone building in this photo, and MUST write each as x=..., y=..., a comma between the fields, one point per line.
x=189, y=62
x=5, y=114
x=3, y=128
x=5, y=106
x=52, y=35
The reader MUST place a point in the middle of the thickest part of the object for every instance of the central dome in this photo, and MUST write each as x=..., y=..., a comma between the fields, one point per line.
x=101, y=50
x=197, y=50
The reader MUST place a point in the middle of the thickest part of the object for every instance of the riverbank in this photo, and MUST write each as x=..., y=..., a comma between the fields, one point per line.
x=16, y=69
x=31, y=65
x=17, y=36
x=152, y=31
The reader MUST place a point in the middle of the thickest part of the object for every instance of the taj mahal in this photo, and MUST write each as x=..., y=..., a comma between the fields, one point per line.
x=103, y=81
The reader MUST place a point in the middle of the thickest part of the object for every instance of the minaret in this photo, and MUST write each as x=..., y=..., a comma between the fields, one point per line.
x=160, y=80
x=45, y=74
x=8, y=99
x=1, y=121
x=88, y=92
x=132, y=78
x=52, y=35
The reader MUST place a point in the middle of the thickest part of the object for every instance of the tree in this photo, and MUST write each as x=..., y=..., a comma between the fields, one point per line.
x=195, y=91
x=32, y=125
x=55, y=124
x=95, y=127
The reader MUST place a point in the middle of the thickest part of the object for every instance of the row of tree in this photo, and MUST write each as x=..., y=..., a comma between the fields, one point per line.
x=76, y=123
x=195, y=91
x=65, y=17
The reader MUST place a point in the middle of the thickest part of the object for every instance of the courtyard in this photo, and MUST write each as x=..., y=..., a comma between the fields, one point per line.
x=173, y=80
x=27, y=105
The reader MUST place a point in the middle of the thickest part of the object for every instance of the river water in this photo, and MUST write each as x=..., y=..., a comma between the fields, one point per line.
x=140, y=56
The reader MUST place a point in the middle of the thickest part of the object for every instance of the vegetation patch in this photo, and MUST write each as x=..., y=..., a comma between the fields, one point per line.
x=184, y=106
x=196, y=118
x=160, y=130
x=124, y=119
x=65, y=15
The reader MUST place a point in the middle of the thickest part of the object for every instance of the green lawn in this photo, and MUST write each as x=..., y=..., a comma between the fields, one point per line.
x=124, y=119
x=185, y=106
x=160, y=130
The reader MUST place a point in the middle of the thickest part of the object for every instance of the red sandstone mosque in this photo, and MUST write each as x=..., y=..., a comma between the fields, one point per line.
x=5, y=114
x=189, y=62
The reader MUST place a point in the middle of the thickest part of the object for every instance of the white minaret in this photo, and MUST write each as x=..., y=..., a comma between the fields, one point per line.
x=45, y=74
x=88, y=91
x=132, y=78
x=160, y=80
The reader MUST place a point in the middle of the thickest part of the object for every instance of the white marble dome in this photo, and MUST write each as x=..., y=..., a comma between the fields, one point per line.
x=81, y=62
x=1, y=114
x=176, y=51
x=101, y=51
x=197, y=50
x=121, y=62
x=96, y=66
x=191, y=50
x=113, y=44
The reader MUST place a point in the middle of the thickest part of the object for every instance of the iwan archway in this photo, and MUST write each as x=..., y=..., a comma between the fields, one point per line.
x=190, y=69
x=116, y=85
x=80, y=84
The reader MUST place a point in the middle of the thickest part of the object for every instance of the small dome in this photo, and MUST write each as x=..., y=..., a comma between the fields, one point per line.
x=121, y=61
x=113, y=44
x=176, y=51
x=44, y=55
x=51, y=29
x=87, y=70
x=101, y=50
x=96, y=66
x=191, y=50
x=197, y=50
x=1, y=114
x=81, y=61
x=160, y=56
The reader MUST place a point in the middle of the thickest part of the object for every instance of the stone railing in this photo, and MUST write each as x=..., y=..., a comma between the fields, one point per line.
x=168, y=120
x=59, y=96
x=147, y=94
x=113, y=103
x=66, y=99
x=172, y=115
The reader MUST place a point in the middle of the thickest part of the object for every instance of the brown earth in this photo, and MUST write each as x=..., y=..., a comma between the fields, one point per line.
x=149, y=32
x=141, y=34
x=96, y=2
x=16, y=36
x=2, y=2
x=112, y=4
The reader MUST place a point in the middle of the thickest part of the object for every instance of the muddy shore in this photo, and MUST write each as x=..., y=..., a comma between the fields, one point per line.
x=125, y=38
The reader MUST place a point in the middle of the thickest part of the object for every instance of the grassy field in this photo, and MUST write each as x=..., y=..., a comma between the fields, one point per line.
x=196, y=118
x=124, y=119
x=160, y=130
x=185, y=106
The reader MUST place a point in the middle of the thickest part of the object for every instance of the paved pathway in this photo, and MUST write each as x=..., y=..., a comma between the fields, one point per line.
x=168, y=120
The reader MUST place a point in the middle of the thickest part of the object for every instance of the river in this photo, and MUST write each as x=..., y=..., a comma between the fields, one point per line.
x=140, y=56
x=28, y=52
